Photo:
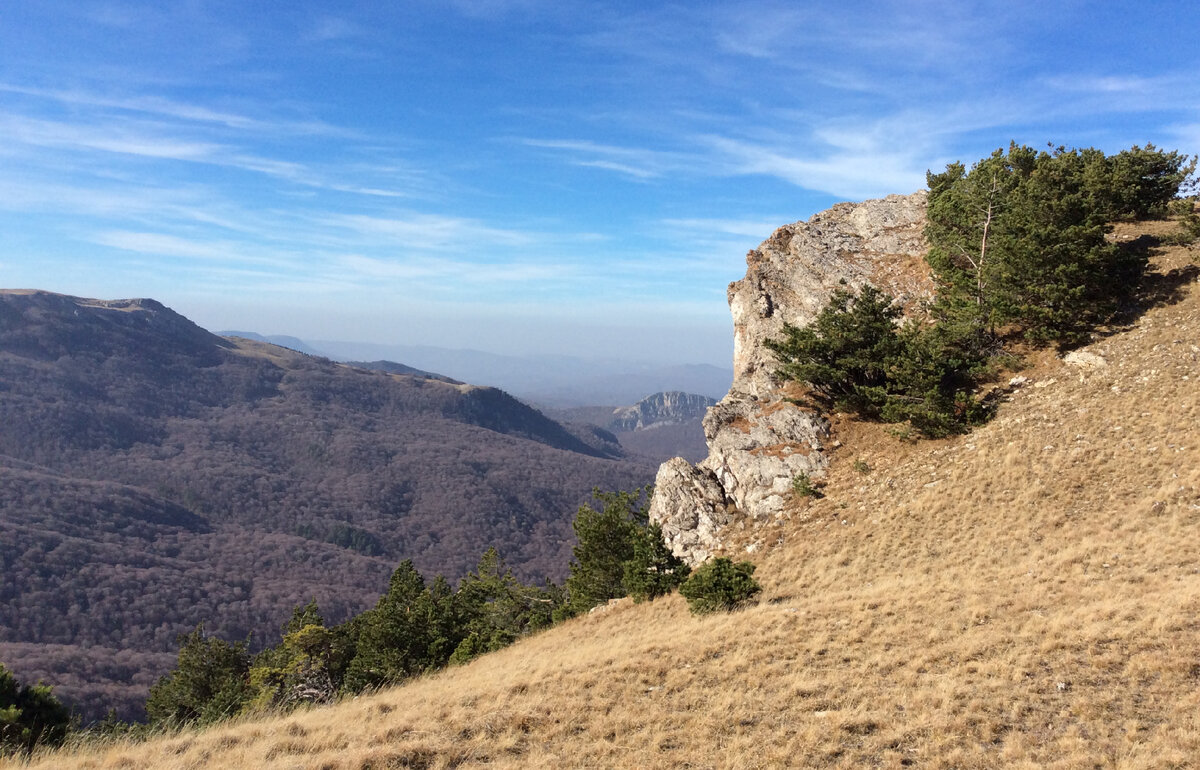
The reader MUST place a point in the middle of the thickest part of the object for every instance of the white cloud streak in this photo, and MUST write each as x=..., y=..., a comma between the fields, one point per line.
x=430, y=231
x=750, y=228
x=169, y=108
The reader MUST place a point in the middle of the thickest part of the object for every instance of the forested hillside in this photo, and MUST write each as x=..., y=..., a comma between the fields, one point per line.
x=155, y=476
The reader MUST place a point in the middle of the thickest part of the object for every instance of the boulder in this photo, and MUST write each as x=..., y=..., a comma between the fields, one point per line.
x=690, y=506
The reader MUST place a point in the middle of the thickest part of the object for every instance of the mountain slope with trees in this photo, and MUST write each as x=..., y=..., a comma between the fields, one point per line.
x=156, y=476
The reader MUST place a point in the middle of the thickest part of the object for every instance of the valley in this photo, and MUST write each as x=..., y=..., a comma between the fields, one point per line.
x=156, y=476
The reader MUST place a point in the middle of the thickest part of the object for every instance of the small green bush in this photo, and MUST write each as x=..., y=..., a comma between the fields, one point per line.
x=803, y=486
x=720, y=585
x=1189, y=223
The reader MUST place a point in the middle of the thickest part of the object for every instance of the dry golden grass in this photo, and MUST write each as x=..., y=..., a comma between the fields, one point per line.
x=1026, y=596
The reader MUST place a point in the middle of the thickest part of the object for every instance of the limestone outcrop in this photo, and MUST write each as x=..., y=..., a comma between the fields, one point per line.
x=758, y=440
x=669, y=408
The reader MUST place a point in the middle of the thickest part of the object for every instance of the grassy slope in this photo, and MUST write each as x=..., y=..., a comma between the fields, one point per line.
x=1026, y=596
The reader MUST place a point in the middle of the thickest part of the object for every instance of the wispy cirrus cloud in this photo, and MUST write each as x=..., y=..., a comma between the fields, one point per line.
x=637, y=163
x=107, y=138
x=202, y=247
x=156, y=141
x=842, y=163
x=750, y=228
x=862, y=174
x=1119, y=92
x=174, y=109
x=429, y=231
x=437, y=272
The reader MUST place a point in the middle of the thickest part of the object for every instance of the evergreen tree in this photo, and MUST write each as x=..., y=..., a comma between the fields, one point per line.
x=209, y=682
x=845, y=354
x=654, y=570
x=441, y=611
x=858, y=357
x=304, y=615
x=1020, y=238
x=720, y=585
x=30, y=716
x=306, y=667
x=1139, y=182
x=412, y=629
x=496, y=608
x=605, y=543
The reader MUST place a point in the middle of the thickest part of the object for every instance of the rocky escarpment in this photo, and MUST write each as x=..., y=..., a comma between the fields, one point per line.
x=668, y=408
x=758, y=440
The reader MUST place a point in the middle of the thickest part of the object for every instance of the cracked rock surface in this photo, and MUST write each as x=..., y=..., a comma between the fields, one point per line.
x=758, y=440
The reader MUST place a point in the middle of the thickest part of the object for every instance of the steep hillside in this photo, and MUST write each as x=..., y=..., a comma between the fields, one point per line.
x=1024, y=596
x=154, y=476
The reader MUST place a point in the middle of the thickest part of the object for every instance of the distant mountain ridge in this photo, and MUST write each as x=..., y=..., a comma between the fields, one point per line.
x=551, y=380
x=660, y=426
x=282, y=340
x=667, y=408
x=154, y=475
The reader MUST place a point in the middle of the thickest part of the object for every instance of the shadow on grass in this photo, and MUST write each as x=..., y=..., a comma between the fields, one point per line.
x=1157, y=288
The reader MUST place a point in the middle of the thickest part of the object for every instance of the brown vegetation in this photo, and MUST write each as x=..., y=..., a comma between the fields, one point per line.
x=154, y=476
x=1024, y=596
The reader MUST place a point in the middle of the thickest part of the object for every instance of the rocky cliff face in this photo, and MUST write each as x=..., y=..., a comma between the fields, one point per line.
x=758, y=440
x=667, y=408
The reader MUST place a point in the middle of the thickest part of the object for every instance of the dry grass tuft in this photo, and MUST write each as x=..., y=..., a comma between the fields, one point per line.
x=1026, y=596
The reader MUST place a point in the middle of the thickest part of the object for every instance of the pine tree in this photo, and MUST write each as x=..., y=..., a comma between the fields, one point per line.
x=209, y=682
x=720, y=586
x=605, y=543
x=654, y=570
x=306, y=667
x=494, y=608
x=30, y=716
x=412, y=629
x=1020, y=238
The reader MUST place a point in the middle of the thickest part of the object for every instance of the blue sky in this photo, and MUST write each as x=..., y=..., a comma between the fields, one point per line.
x=520, y=175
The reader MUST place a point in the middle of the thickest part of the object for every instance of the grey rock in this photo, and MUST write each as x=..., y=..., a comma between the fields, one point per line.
x=689, y=505
x=790, y=276
x=1085, y=360
x=758, y=440
x=756, y=448
x=667, y=408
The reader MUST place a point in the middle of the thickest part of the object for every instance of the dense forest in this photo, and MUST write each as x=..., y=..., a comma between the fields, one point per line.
x=416, y=626
x=155, y=476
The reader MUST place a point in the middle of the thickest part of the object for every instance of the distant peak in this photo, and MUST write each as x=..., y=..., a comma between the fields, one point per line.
x=46, y=325
x=666, y=407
